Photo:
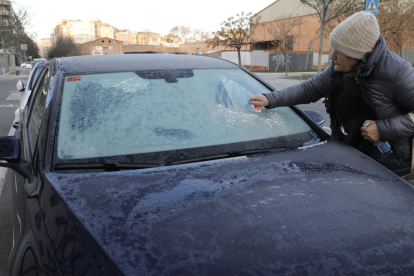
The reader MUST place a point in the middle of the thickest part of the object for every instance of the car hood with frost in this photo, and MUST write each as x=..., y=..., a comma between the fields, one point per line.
x=323, y=209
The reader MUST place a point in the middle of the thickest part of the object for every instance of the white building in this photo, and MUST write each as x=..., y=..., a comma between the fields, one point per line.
x=44, y=47
x=83, y=31
x=108, y=31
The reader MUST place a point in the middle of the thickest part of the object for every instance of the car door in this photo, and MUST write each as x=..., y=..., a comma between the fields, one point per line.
x=32, y=252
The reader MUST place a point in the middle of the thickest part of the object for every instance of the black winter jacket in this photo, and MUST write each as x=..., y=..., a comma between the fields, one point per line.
x=390, y=80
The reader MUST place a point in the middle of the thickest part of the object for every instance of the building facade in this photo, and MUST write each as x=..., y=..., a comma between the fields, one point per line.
x=82, y=31
x=44, y=47
x=139, y=38
x=149, y=38
x=62, y=30
x=101, y=46
x=127, y=37
x=8, y=50
x=105, y=30
x=305, y=35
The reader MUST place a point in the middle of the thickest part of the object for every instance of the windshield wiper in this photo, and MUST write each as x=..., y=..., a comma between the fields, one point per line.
x=115, y=166
x=107, y=166
x=221, y=156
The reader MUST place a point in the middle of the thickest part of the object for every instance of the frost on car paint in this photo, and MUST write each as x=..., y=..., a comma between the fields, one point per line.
x=139, y=112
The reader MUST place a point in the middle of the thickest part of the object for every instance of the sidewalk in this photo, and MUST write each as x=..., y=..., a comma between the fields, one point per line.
x=23, y=73
x=279, y=81
x=283, y=74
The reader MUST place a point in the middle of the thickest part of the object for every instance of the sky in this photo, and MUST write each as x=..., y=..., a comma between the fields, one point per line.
x=158, y=16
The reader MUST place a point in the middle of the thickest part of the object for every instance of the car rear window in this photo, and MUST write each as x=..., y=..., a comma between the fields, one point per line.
x=126, y=113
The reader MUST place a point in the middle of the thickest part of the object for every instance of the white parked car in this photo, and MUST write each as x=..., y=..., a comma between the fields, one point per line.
x=27, y=87
x=38, y=60
x=27, y=65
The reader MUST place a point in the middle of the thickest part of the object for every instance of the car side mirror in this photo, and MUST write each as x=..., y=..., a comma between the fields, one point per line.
x=10, y=149
x=20, y=86
x=315, y=116
x=10, y=152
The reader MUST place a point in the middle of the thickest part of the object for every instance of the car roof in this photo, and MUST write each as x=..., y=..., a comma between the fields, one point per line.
x=125, y=63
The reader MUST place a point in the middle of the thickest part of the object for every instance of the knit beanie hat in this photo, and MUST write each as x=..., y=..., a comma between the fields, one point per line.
x=356, y=35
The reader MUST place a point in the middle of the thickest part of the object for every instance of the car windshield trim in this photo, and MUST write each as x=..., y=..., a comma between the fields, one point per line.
x=114, y=165
x=106, y=165
x=173, y=157
x=222, y=156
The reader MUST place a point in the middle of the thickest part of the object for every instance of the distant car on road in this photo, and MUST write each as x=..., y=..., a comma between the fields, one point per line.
x=157, y=165
x=27, y=65
x=37, y=60
x=143, y=52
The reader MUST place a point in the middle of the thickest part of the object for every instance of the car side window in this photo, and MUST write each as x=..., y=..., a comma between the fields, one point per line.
x=35, y=76
x=37, y=110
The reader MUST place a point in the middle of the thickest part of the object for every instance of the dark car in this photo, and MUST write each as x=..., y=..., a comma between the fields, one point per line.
x=153, y=165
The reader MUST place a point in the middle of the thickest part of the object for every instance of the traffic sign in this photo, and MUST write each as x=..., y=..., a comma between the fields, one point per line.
x=23, y=47
x=371, y=6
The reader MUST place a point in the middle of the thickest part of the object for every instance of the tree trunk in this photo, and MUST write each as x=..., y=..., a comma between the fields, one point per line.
x=277, y=65
x=238, y=52
x=320, y=46
x=321, y=31
x=5, y=60
x=286, y=63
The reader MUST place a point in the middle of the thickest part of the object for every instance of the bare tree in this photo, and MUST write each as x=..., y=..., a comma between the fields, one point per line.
x=396, y=20
x=186, y=34
x=206, y=36
x=64, y=47
x=182, y=33
x=328, y=10
x=32, y=48
x=235, y=32
x=199, y=35
x=172, y=38
x=282, y=33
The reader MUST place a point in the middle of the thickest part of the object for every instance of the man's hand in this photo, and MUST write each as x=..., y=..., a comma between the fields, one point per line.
x=259, y=99
x=371, y=132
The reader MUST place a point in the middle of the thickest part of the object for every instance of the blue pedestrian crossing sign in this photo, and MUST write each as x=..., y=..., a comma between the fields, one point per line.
x=371, y=6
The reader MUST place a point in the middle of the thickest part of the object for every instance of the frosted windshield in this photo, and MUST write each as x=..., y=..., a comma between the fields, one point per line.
x=125, y=113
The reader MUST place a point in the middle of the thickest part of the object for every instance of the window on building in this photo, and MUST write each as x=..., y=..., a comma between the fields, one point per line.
x=111, y=48
x=96, y=48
